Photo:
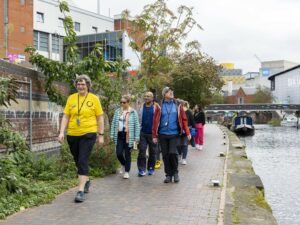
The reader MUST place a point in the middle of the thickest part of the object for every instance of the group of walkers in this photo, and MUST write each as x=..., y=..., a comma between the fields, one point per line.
x=167, y=127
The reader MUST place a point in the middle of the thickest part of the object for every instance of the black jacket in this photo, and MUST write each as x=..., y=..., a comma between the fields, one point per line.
x=190, y=117
x=199, y=117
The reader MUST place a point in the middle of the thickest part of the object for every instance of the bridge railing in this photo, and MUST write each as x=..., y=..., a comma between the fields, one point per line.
x=252, y=107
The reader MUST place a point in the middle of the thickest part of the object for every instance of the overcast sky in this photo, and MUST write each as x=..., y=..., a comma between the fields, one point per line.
x=234, y=30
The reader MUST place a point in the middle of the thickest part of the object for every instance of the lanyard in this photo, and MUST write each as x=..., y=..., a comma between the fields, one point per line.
x=168, y=112
x=79, y=108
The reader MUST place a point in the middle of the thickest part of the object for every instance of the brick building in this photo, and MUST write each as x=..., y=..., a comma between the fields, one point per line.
x=240, y=96
x=16, y=29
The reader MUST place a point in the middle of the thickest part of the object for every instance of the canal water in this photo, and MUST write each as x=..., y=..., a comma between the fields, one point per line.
x=275, y=154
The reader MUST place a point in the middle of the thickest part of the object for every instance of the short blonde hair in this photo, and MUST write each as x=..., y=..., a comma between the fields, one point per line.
x=86, y=78
x=186, y=104
x=127, y=98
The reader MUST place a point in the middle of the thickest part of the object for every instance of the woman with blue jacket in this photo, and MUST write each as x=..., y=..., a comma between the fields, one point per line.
x=125, y=130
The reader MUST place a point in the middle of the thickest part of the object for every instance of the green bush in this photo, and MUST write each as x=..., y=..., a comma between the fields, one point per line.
x=274, y=122
x=28, y=179
x=103, y=160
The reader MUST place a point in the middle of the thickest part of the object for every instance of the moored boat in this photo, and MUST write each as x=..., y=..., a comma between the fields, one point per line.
x=243, y=125
x=290, y=121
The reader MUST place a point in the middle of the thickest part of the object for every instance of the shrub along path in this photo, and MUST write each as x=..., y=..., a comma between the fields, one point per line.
x=143, y=201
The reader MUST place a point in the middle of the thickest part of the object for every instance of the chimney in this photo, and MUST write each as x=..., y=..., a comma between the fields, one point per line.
x=98, y=7
x=229, y=88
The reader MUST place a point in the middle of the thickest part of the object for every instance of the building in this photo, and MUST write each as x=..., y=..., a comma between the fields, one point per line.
x=269, y=68
x=39, y=23
x=114, y=45
x=285, y=86
x=229, y=70
x=239, y=96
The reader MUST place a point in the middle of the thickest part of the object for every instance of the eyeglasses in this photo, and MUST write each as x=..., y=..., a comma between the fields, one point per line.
x=123, y=102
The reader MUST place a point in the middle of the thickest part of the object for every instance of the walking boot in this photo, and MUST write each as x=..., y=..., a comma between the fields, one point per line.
x=168, y=179
x=176, y=178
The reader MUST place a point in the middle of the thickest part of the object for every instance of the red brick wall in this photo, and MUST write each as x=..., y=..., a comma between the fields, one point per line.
x=122, y=24
x=18, y=16
x=234, y=98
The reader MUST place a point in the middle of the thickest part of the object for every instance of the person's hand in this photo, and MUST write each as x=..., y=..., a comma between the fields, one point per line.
x=61, y=138
x=154, y=140
x=100, y=140
x=189, y=137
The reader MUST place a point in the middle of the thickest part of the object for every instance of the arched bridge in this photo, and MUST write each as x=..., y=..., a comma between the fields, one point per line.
x=252, y=107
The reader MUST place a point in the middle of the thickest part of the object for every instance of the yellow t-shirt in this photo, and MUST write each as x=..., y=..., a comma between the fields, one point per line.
x=86, y=121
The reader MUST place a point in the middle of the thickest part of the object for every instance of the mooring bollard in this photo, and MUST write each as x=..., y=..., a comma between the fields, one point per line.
x=215, y=183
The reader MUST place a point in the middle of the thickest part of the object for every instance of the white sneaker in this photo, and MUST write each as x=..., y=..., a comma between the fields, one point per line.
x=183, y=162
x=179, y=158
x=197, y=146
x=126, y=175
x=200, y=147
x=121, y=170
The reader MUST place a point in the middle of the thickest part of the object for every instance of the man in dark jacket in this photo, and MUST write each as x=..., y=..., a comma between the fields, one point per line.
x=146, y=115
x=168, y=123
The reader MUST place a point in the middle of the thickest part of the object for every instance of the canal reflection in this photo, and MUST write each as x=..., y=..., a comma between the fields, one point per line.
x=275, y=154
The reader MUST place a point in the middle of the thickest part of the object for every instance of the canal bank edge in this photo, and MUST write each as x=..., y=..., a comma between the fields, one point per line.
x=244, y=201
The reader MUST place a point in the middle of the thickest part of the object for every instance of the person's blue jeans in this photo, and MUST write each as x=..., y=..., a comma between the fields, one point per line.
x=123, y=151
x=183, y=147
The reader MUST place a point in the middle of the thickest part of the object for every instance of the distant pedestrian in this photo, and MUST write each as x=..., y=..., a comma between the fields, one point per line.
x=124, y=131
x=199, y=118
x=146, y=114
x=169, y=123
x=183, y=147
x=83, y=116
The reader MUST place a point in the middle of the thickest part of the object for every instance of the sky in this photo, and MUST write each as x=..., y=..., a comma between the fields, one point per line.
x=243, y=32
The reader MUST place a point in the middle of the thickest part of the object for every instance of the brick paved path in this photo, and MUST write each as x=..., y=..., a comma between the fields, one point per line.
x=146, y=200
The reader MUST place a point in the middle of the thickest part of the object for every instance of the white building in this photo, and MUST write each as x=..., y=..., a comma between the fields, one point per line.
x=285, y=86
x=268, y=68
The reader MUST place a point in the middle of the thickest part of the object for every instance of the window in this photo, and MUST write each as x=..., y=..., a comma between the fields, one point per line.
x=77, y=26
x=273, y=84
x=41, y=41
x=22, y=2
x=39, y=17
x=240, y=100
x=55, y=43
x=61, y=22
x=95, y=29
x=22, y=29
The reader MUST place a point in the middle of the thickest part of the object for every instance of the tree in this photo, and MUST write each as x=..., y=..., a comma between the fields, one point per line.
x=106, y=76
x=195, y=77
x=217, y=98
x=262, y=95
x=163, y=32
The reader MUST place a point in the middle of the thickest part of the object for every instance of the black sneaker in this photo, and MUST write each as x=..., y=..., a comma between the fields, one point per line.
x=79, y=197
x=176, y=178
x=168, y=179
x=87, y=186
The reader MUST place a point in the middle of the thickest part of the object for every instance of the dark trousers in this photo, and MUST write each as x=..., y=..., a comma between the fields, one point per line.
x=182, y=148
x=168, y=144
x=145, y=141
x=123, y=151
x=81, y=148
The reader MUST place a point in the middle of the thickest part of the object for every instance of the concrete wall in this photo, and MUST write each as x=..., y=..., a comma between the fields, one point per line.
x=45, y=115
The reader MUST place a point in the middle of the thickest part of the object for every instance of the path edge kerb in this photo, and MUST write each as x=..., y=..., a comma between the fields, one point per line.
x=242, y=199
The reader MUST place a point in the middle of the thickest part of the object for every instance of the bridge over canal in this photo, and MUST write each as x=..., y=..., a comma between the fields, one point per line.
x=252, y=107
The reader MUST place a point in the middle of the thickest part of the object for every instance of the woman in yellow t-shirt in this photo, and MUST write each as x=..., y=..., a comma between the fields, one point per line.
x=83, y=115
